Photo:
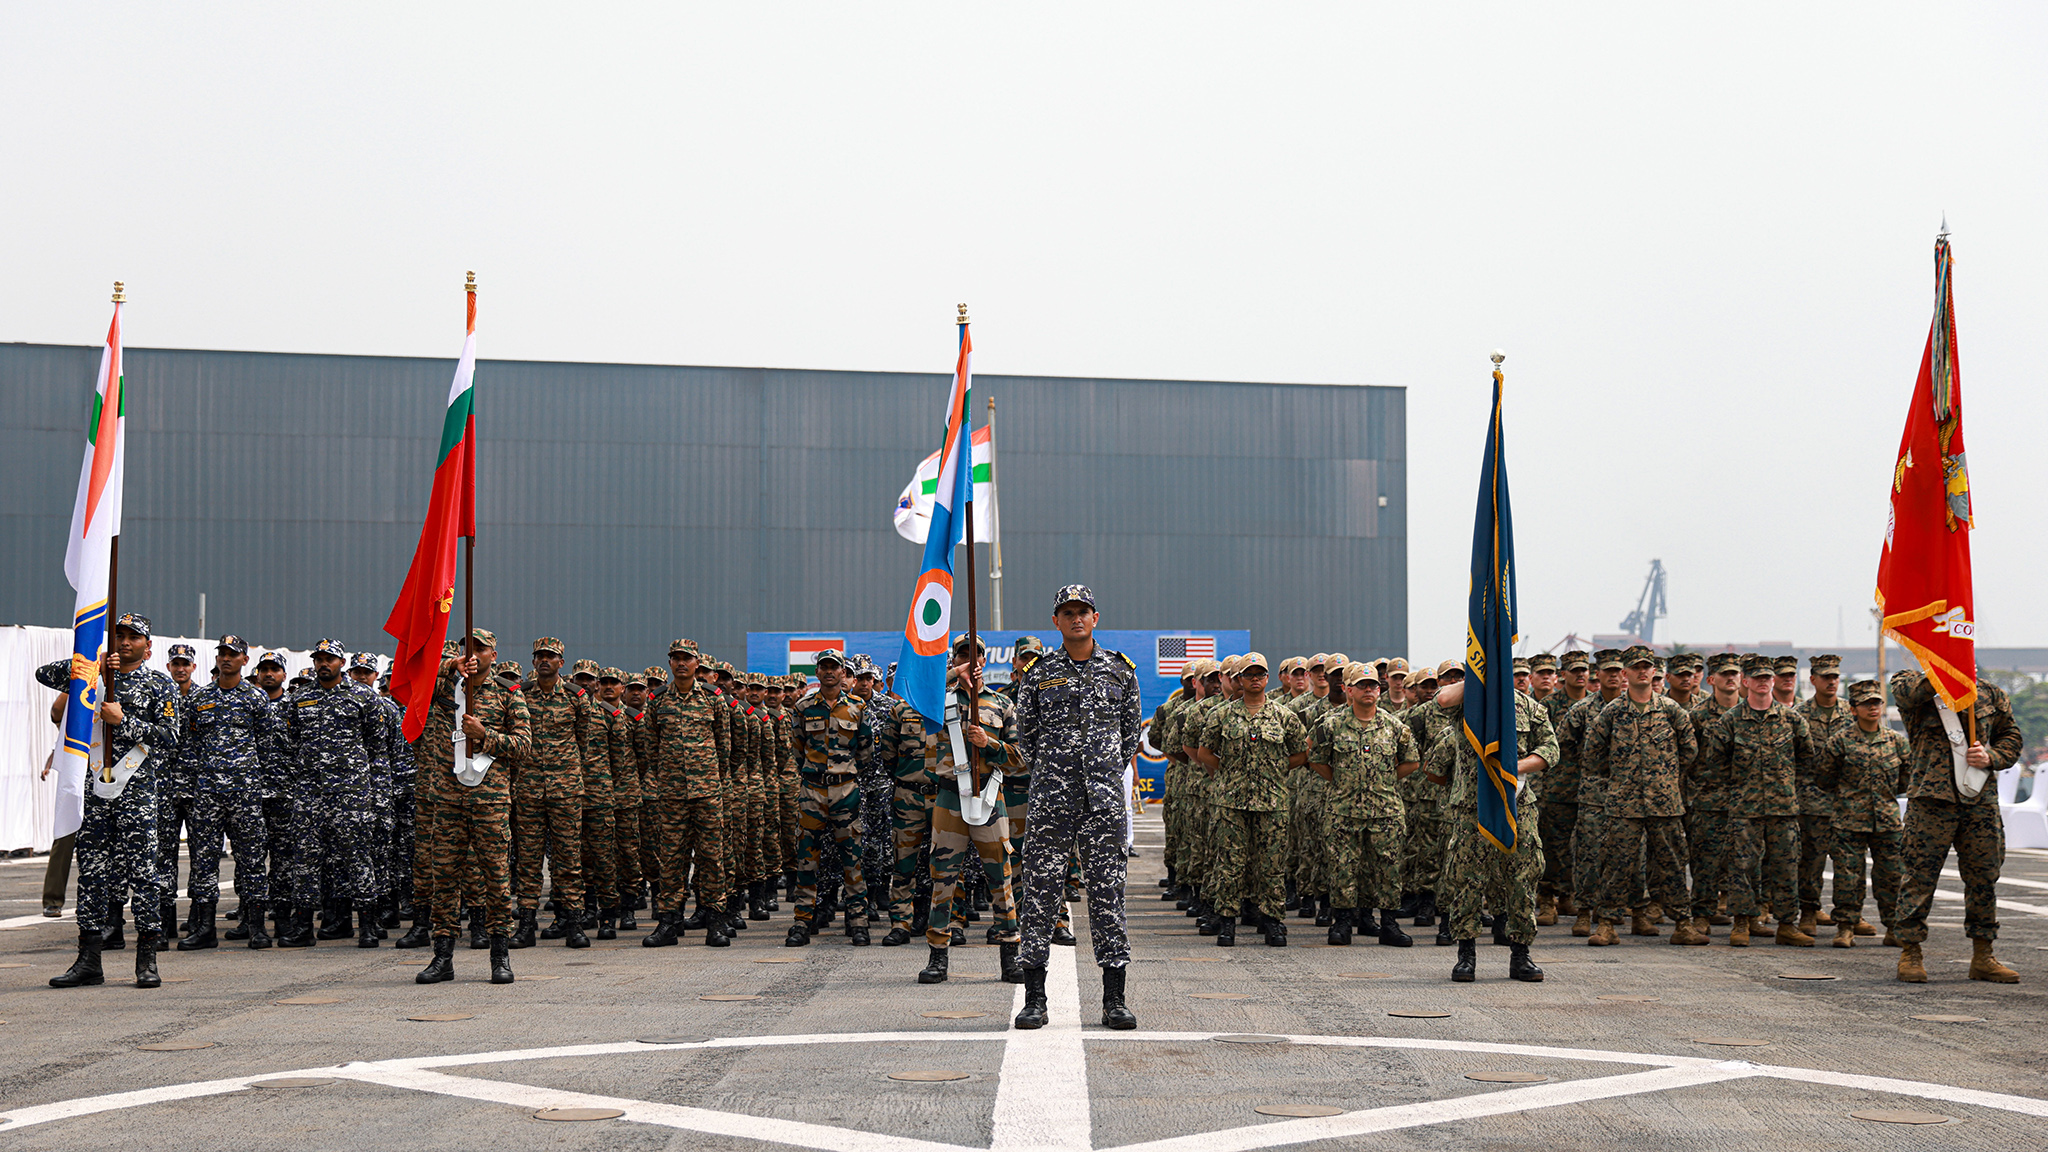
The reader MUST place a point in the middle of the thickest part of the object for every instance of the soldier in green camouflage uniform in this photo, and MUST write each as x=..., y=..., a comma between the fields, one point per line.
x=1250, y=745
x=1758, y=748
x=1362, y=754
x=547, y=798
x=466, y=832
x=1636, y=752
x=1422, y=800
x=1713, y=837
x=1859, y=768
x=1185, y=807
x=832, y=738
x=1472, y=864
x=628, y=792
x=1306, y=861
x=650, y=806
x=913, y=792
x=789, y=785
x=688, y=735
x=1173, y=785
x=1939, y=817
x=1589, y=830
x=609, y=752
x=1558, y=817
x=1827, y=716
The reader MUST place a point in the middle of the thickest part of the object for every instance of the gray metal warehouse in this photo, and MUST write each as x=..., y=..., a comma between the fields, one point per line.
x=620, y=505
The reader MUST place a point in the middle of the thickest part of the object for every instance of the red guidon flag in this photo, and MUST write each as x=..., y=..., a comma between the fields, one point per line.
x=419, y=621
x=1923, y=578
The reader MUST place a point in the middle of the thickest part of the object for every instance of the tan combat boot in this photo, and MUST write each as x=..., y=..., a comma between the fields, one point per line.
x=1821, y=917
x=1911, y=970
x=1808, y=921
x=1583, y=926
x=1566, y=906
x=1864, y=927
x=1642, y=925
x=1693, y=932
x=1546, y=911
x=1890, y=940
x=1738, y=936
x=1604, y=935
x=1789, y=933
x=1985, y=966
x=1654, y=912
x=1845, y=935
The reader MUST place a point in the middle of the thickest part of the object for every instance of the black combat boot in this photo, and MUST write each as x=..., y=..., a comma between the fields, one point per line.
x=716, y=932
x=735, y=912
x=664, y=934
x=573, y=935
x=934, y=969
x=857, y=935
x=1365, y=922
x=1408, y=902
x=1425, y=908
x=958, y=935
x=1180, y=898
x=799, y=933
x=757, y=900
x=701, y=918
x=86, y=969
x=422, y=932
x=252, y=928
x=588, y=922
x=145, y=959
x=1007, y=955
x=1500, y=930
x=387, y=917
x=1207, y=924
x=1115, y=1013
x=1168, y=881
x=478, y=938
x=167, y=916
x=1443, y=932
x=1340, y=927
x=1276, y=933
x=295, y=927
x=366, y=928
x=241, y=917
x=1390, y=930
x=112, y=940
x=565, y=918
x=1226, y=932
x=522, y=936
x=1033, y=1015
x=1325, y=915
x=898, y=935
x=202, y=931
x=501, y=961
x=442, y=966
x=334, y=922
x=1466, y=970
x=1294, y=900
x=1063, y=935
x=1520, y=967
x=627, y=921
x=608, y=924
x=920, y=914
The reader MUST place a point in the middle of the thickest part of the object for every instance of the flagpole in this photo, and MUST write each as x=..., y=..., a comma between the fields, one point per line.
x=469, y=541
x=114, y=545
x=973, y=638
x=995, y=519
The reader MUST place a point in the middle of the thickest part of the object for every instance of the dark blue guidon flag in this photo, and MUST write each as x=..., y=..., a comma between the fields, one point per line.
x=1490, y=640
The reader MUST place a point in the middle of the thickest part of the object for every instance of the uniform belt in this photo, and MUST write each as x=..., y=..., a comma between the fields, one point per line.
x=832, y=777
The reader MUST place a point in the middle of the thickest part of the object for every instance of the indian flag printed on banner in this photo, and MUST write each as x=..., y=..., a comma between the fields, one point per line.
x=803, y=654
x=921, y=673
x=914, y=507
x=88, y=552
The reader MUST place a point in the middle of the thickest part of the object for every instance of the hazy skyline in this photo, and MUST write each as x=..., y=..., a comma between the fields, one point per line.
x=1702, y=236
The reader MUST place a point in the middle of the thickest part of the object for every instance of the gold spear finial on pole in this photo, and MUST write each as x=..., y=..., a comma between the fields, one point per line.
x=120, y=297
x=469, y=281
x=963, y=315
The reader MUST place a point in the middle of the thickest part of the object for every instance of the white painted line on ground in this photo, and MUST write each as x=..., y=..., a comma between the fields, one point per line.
x=1942, y=1092
x=38, y=918
x=1042, y=1094
x=2015, y=881
x=1828, y=877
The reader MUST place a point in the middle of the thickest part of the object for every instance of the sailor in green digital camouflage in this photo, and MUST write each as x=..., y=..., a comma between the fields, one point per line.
x=1757, y=750
x=1636, y=752
x=1558, y=816
x=1361, y=755
x=1306, y=861
x=1174, y=806
x=1250, y=745
x=1422, y=804
x=1187, y=805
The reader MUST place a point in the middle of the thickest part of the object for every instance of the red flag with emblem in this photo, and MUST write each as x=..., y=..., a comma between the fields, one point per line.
x=1923, y=577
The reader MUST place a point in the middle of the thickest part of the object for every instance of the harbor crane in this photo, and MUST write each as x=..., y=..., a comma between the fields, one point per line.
x=1650, y=606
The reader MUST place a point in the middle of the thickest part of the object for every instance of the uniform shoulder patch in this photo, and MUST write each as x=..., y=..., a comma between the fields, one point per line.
x=1127, y=661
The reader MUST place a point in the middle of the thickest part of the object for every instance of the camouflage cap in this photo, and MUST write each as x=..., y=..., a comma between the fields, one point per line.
x=639, y=678
x=485, y=638
x=960, y=645
x=135, y=622
x=1825, y=664
x=1865, y=692
x=1073, y=594
x=452, y=650
x=504, y=668
x=1636, y=654
x=585, y=666
x=271, y=657
x=330, y=648
x=1543, y=662
x=549, y=645
x=1785, y=665
x=302, y=676
x=1721, y=662
x=363, y=660
x=1520, y=664
x=654, y=674
x=233, y=643
x=1251, y=660
x=1605, y=658
x=1757, y=666
x=862, y=666
x=683, y=647
x=181, y=652
x=1319, y=660
x=614, y=674
x=1030, y=644
x=1576, y=658
x=833, y=655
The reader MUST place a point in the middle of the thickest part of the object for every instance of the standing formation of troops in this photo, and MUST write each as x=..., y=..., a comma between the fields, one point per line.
x=1349, y=794
x=1699, y=790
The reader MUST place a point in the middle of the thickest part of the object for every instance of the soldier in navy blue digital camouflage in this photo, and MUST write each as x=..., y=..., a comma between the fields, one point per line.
x=280, y=794
x=1079, y=725
x=391, y=861
x=338, y=732
x=224, y=724
x=174, y=787
x=116, y=847
x=404, y=815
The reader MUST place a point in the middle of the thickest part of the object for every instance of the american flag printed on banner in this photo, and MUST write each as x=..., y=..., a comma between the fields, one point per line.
x=1174, y=652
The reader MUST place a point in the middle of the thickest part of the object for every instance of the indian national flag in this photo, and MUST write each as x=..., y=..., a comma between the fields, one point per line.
x=914, y=507
x=88, y=555
x=803, y=653
x=419, y=621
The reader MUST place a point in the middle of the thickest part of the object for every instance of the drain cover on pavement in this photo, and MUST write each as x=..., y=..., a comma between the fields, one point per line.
x=728, y=999
x=442, y=1017
x=1729, y=1041
x=1625, y=999
x=951, y=1015
x=929, y=1075
x=1507, y=1077
x=1249, y=1038
x=1220, y=995
x=310, y=1000
x=578, y=1114
x=1418, y=1013
x=1297, y=1110
x=1899, y=1116
x=293, y=1082
x=175, y=1046
x=1804, y=976
x=1952, y=1019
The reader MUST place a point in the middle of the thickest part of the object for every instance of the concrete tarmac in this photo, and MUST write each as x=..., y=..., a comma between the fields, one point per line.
x=807, y=1060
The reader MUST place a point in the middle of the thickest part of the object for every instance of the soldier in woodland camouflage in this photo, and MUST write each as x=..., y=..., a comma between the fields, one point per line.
x=1638, y=749
x=547, y=798
x=832, y=737
x=1940, y=817
x=1558, y=816
x=1713, y=836
x=609, y=775
x=116, y=845
x=1859, y=768
x=1362, y=754
x=688, y=731
x=1422, y=805
x=1589, y=830
x=1758, y=748
x=1251, y=746
x=1827, y=716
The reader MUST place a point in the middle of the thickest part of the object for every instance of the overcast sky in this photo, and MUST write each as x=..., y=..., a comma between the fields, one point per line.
x=1703, y=235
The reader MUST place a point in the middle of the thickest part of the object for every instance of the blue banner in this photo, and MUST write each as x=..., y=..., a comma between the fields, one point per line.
x=1490, y=640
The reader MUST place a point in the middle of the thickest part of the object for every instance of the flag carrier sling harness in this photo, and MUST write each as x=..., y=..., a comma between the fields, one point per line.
x=976, y=810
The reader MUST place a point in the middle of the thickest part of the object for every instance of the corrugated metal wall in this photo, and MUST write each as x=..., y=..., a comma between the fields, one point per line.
x=622, y=505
